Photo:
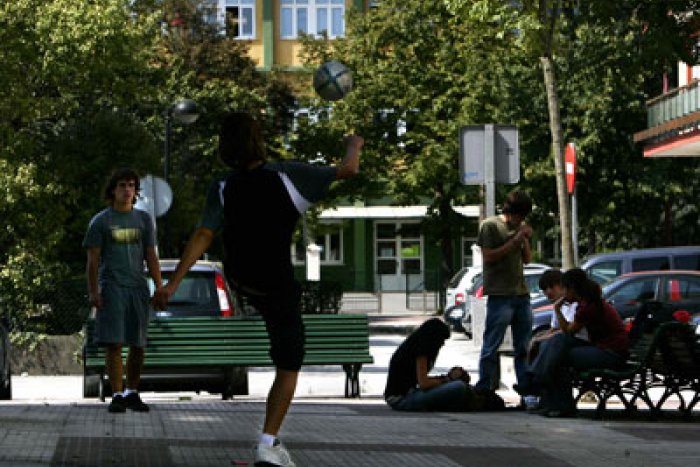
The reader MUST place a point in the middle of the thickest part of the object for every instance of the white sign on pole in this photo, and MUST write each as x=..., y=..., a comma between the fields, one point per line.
x=156, y=196
x=473, y=158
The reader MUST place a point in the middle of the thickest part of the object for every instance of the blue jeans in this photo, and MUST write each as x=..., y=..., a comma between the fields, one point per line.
x=550, y=370
x=449, y=397
x=503, y=311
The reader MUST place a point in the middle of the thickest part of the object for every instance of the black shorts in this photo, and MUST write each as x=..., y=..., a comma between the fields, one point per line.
x=280, y=310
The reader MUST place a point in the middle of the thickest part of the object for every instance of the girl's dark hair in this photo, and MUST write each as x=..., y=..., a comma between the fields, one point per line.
x=584, y=286
x=550, y=278
x=429, y=338
x=118, y=175
x=240, y=140
x=517, y=202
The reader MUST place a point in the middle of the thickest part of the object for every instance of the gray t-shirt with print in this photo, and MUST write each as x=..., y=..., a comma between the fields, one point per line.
x=122, y=238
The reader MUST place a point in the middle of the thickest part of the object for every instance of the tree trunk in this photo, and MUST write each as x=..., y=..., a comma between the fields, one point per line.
x=567, y=247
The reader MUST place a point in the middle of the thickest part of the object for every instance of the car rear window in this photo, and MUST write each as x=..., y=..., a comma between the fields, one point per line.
x=196, y=293
x=605, y=270
x=687, y=262
x=655, y=263
x=533, y=283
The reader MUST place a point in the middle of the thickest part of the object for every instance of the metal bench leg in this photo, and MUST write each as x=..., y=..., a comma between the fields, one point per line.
x=352, y=380
x=101, y=388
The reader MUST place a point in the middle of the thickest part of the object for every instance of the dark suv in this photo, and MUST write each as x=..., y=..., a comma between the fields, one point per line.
x=202, y=292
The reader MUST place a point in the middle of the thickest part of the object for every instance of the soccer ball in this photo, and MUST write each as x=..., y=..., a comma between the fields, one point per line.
x=333, y=80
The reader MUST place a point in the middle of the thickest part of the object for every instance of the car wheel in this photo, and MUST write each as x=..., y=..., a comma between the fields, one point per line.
x=6, y=387
x=91, y=386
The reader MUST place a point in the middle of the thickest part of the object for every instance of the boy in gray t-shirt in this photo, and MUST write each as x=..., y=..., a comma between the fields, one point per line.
x=118, y=240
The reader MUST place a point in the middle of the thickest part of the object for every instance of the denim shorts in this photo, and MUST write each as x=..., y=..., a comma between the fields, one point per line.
x=123, y=318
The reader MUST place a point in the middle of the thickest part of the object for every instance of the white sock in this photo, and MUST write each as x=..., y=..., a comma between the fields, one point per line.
x=117, y=394
x=267, y=439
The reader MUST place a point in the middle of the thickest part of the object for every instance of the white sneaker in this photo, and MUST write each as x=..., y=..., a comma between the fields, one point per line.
x=272, y=455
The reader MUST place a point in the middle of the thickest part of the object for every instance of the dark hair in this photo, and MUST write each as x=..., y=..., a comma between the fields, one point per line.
x=584, y=286
x=118, y=175
x=240, y=140
x=517, y=202
x=429, y=337
x=550, y=278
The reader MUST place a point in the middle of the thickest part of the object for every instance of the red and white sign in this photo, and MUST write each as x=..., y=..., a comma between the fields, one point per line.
x=570, y=165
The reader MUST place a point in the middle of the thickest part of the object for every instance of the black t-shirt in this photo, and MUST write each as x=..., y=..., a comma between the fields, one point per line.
x=261, y=208
x=402, y=367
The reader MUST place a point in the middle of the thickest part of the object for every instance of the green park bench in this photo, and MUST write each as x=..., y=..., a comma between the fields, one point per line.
x=233, y=344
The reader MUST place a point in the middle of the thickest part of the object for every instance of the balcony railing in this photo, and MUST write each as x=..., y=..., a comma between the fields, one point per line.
x=674, y=104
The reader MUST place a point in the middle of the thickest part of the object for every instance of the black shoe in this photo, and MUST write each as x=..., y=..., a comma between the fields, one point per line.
x=118, y=405
x=134, y=402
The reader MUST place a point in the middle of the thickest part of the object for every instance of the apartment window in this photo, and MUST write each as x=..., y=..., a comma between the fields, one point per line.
x=240, y=19
x=331, y=244
x=312, y=17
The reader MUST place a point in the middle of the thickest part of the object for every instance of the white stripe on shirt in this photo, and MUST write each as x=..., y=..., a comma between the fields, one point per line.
x=299, y=201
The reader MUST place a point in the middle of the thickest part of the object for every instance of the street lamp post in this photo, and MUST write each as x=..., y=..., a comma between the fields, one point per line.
x=185, y=111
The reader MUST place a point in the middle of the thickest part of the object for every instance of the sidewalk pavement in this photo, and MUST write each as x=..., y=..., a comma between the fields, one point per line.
x=330, y=432
x=49, y=423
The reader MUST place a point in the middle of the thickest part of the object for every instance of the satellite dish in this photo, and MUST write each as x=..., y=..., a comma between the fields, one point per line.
x=156, y=196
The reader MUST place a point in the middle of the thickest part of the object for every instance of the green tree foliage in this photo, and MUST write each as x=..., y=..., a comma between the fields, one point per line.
x=606, y=55
x=59, y=57
x=205, y=64
x=83, y=90
x=420, y=74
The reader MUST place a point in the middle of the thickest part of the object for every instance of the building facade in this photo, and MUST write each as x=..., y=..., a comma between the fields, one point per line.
x=673, y=118
x=272, y=27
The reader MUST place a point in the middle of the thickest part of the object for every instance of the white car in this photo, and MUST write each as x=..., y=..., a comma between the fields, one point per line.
x=460, y=284
x=532, y=271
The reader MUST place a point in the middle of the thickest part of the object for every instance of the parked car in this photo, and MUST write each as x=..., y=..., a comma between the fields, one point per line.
x=628, y=292
x=533, y=272
x=604, y=267
x=459, y=286
x=5, y=367
x=202, y=292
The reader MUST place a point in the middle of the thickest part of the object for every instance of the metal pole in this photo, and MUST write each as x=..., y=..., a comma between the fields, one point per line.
x=166, y=173
x=490, y=169
x=574, y=225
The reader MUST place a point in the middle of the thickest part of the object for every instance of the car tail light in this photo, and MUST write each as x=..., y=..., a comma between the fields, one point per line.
x=459, y=299
x=224, y=303
x=479, y=292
